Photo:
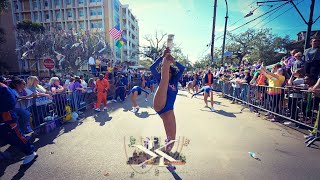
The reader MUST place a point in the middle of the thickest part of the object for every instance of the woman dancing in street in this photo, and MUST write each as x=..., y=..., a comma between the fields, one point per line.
x=208, y=92
x=145, y=84
x=196, y=82
x=135, y=91
x=166, y=93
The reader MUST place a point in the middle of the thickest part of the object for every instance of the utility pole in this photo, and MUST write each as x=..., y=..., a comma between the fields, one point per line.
x=310, y=23
x=224, y=33
x=213, y=27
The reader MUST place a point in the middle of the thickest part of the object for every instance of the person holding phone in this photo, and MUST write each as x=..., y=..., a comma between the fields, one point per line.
x=167, y=91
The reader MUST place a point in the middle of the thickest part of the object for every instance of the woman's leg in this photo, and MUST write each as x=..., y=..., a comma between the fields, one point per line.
x=211, y=98
x=206, y=98
x=160, y=98
x=169, y=122
x=133, y=98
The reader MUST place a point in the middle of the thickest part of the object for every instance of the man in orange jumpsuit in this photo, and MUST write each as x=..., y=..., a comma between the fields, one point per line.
x=102, y=86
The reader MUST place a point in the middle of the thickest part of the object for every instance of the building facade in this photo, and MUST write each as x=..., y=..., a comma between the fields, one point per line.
x=83, y=15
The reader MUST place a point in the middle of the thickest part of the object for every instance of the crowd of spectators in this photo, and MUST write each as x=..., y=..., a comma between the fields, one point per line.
x=40, y=98
x=281, y=89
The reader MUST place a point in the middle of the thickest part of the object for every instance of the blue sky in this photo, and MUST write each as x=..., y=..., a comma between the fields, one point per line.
x=191, y=20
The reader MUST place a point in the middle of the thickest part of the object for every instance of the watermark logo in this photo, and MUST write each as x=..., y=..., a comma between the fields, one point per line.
x=143, y=151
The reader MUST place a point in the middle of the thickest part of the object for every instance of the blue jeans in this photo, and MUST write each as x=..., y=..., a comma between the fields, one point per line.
x=236, y=93
x=93, y=69
x=24, y=118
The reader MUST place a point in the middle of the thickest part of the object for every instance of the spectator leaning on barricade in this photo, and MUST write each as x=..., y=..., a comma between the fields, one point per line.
x=39, y=103
x=59, y=97
x=295, y=84
x=9, y=129
x=289, y=61
x=83, y=82
x=312, y=57
x=298, y=63
x=23, y=96
x=275, y=81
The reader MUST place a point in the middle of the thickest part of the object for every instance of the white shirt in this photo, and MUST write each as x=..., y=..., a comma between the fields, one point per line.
x=92, y=61
x=84, y=84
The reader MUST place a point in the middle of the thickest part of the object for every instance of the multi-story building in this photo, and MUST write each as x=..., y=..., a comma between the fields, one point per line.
x=92, y=15
x=131, y=32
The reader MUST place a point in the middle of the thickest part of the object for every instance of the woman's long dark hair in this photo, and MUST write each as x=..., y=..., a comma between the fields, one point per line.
x=15, y=82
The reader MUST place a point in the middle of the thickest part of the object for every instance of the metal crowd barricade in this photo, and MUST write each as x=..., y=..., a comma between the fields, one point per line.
x=289, y=103
x=42, y=110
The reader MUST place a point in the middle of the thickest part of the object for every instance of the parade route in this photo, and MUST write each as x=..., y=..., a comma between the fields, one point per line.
x=219, y=144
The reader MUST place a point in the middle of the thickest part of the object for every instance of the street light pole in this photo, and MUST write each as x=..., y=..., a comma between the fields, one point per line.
x=224, y=33
x=213, y=27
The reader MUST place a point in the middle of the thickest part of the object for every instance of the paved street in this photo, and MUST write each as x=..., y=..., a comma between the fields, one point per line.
x=218, y=149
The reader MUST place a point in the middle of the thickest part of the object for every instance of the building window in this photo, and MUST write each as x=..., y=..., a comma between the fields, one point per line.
x=68, y=2
x=81, y=1
x=46, y=3
x=116, y=6
x=81, y=24
x=59, y=26
x=69, y=14
x=93, y=1
x=93, y=12
x=58, y=14
x=70, y=26
x=81, y=14
x=36, y=16
x=98, y=0
x=99, y=11
x=57, y=2
x=17, y=17
x=47, y=16
x=99, y=24
x=34, y=4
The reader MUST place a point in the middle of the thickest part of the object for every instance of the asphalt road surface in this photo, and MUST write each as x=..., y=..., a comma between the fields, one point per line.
x=95, y=147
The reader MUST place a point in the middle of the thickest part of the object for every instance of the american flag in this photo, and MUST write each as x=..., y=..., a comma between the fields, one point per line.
x=115, y=33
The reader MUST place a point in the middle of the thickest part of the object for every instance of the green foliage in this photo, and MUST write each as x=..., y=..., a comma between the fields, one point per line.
x=4, y=4
x=29, y=26
x=146, y=63
x=257, y=44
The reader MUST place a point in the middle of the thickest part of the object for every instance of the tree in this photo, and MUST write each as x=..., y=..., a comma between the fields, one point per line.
x=181, y=58
x=146, y=63
x=156, y=46
x=69, y=49
x=257, y=44
x=4, y=4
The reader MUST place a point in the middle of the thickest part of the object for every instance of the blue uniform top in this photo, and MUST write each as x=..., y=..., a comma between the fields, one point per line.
x=206, y=89
x=173, y=83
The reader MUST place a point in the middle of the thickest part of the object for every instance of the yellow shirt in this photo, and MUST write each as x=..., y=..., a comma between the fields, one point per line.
x=110, y=69
x=274, y=82
x=98, y=63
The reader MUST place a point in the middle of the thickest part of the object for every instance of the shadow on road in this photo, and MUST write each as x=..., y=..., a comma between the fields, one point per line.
x=143, y=114
x=102, y=118
x=224, y=113
x=22, y=170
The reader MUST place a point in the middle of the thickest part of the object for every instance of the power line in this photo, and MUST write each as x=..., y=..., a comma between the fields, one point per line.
x=280, y=15
x=260, y=16
x=266, y=17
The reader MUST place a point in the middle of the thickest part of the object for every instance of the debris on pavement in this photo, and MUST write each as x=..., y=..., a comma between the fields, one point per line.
x=253, y=155
x=106, y=174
